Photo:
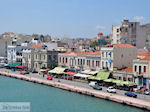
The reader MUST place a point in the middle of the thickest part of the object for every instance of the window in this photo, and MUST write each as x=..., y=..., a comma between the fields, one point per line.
x=110, y=54
x=29, y=56
x=106, y=64
x=102, y=54
x=139, y=69
x=93, y=63
x=78, y=61
x=36, y=56
x=60, y=59
x=135, y=68
x=66, y=60
x=102, y=64
x=122, y=56
x=106, y=54
x=97, y=63
x=63, y=59
x=44, y=57
x=110, y=65
x=144, y=68
x=87, y=62
x=83, y=61
x=117, y=30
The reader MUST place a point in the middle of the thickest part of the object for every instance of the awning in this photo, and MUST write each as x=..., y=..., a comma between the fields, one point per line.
x=89, y=72
x=13, y=65
x=86, y=71
x=57, y=70
x=93, y=72
x=42, y=70
x=100, y=76
x=108, y=80
x=128, y=83
x=82, y=75
x=70, y=73
x=118, y=81
x=21, y=66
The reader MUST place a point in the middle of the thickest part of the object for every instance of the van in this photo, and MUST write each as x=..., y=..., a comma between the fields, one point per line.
x=92, y=83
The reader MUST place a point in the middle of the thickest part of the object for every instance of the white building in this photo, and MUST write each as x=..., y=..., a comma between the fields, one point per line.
x=131, y=33
x=141, y=70
x=117, y=56
x=11, y=54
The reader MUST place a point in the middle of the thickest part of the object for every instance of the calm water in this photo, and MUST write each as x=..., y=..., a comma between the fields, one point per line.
x=49, y=99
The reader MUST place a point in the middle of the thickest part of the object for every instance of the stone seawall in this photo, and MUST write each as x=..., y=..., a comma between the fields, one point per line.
x=98, y=94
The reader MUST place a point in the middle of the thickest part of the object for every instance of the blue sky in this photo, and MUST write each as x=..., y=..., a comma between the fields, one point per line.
x=71, y=18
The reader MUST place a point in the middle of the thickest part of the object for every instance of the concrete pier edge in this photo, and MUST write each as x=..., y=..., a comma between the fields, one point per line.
x=145, y=105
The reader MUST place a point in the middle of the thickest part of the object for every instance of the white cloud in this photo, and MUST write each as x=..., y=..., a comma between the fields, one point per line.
x=100, y=27
x=138, y=18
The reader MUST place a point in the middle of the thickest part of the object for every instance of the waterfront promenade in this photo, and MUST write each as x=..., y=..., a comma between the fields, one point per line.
x=99, y=94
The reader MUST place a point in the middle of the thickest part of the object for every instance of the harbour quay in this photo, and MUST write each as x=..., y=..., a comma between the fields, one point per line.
x=98, y=94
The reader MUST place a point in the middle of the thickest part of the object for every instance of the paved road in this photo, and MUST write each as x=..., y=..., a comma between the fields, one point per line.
x=85, y=85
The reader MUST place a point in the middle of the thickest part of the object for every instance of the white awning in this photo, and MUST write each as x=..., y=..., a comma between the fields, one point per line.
x=82, y=75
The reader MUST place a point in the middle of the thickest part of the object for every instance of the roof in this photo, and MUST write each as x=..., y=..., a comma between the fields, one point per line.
x=36, y=46
x=70, y=73
x=57, y=70
x=147, y=58
x=120, y=45
x=129, y=69
x=83, y=52
x=143, y=53
x=100, y=76
x=100, y=33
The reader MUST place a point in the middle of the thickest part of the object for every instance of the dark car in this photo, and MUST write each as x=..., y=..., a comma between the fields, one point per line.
x=97, y=87
x=33, y=71
x=130, y=94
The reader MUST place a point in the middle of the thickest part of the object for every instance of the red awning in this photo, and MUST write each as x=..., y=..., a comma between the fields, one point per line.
x=70, y=73
x=21, y=66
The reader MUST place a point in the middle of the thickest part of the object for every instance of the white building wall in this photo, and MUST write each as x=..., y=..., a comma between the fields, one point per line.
x=116, y=34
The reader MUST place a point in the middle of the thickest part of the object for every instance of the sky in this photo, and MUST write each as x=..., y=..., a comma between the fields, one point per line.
x=70, y=18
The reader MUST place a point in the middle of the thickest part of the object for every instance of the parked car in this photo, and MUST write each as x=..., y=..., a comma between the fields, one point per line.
x=24, y=72
x=142, y=90
x=97, y=87
x=130, y=94
x=147, y=92
x=33, y=71
x=68, y=78
x=138, y=88
x=49, y=78
x=111, y=89
x=92, y=83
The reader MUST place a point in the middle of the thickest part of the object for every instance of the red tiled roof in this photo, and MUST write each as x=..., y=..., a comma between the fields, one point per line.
x=129, y=69
x=120, y=45
x=100, y=33
x=36, y=46
x=147, y=58
x=143, y=53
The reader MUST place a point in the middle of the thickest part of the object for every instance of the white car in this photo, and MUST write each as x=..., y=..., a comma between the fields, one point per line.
x=92, y=83
x=111, y=89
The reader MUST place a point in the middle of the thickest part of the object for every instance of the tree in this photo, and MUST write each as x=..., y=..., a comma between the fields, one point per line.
x=94, y=44
x=52, y=65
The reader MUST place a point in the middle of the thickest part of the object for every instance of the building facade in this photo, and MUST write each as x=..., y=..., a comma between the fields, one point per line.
x=117, y=56
x=11, y=54
x=141, y=70
x=80, y=60
x=131, y=33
